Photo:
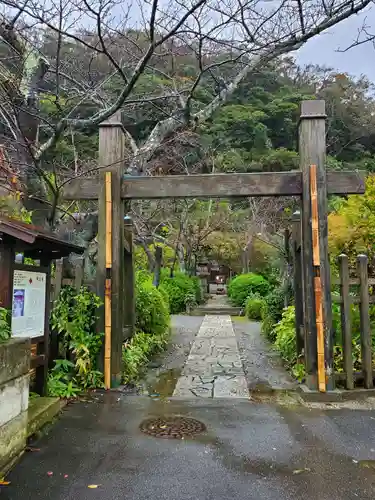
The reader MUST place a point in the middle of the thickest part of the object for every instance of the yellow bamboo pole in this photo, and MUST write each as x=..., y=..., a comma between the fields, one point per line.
x=107, y=292
x=108, y=220
x=317, y=279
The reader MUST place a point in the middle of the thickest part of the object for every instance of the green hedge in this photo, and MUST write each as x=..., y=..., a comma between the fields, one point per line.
x=152, y=327
x=285, y=336
x=254, y=306
x=285, y=342
x=244, y=285
x=151, y=309
x=164, y=293
x=137, y=353
x=272, y=311
x=285, y=339
x=179, y=289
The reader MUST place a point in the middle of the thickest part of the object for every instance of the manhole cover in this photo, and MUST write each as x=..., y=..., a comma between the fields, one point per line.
x=172, y=427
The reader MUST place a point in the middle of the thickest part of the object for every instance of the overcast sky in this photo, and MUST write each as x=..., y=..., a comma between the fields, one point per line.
x=323, y=50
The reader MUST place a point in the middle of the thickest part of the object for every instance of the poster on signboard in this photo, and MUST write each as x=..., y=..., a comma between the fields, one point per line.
x=28, y=304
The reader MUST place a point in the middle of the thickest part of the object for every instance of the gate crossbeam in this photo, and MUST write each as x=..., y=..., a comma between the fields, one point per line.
x=216, y=185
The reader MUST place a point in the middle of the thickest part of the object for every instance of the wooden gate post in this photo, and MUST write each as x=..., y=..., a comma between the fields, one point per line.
x=129, y=281
x=298, y=280
x=312, y=151
x=111, y=159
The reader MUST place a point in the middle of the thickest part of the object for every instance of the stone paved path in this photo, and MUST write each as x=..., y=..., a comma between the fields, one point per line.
x=219, y=301
x=213, y=368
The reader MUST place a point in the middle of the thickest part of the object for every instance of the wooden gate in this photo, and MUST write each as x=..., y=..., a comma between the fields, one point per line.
x=312, y=151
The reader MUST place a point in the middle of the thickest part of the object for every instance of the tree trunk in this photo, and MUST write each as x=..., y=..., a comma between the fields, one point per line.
x=158, y=263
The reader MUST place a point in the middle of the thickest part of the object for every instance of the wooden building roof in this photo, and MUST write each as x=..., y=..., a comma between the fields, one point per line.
x=33, y=241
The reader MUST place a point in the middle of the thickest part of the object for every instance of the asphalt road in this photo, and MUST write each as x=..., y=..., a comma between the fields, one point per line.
x=249, y=451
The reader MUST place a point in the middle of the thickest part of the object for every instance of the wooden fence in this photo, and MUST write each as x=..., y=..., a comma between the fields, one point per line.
x=355, y=291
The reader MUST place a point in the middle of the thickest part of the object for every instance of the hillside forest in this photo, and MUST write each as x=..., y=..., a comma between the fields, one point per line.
x=195, y=97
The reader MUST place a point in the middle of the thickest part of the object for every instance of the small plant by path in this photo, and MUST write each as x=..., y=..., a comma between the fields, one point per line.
x=74, y=317
x=5, y=332
x=152, y=328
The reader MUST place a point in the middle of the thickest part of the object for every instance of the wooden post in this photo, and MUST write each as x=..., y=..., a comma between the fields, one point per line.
x=346, y=330
x=312, y=151
x=43, y=348
x=297, y=280
x=6, y=276
x=79, y=271
x=59, y=268
x=129, y=281
x=57, y=282
x=158, y=262
x=366, y=348
x=111, y=159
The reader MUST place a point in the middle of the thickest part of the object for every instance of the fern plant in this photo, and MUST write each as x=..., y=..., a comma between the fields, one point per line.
x=5, y=331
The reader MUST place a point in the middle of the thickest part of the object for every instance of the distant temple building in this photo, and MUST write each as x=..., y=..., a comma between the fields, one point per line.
x=215, y=274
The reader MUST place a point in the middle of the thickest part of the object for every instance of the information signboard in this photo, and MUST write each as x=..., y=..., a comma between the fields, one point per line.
x=28, y=303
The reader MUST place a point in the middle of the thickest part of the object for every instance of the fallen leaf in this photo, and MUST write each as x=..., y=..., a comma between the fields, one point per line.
x=163, y=427
x=4, y=483
x=369, y=464
x=93, y=486
x=300, y=471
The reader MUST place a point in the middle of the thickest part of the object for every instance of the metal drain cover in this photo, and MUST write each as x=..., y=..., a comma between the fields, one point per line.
x=172, y=427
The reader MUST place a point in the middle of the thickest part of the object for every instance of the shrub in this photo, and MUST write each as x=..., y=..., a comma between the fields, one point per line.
x=272, y=275
x=5, y=332
x=143, y=275
x=152, y=322
x=179, y=288
x=253, y=307
x=338, y=354
x=165, y=296
x=73, y=318
x=272, y=311
x=285, y=336
x=152, y=314
x=285, y=340
x=196, y=282
x=244, y=285
x=138, y=351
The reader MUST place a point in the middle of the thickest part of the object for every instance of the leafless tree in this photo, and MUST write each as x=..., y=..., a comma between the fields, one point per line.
x=94, y=57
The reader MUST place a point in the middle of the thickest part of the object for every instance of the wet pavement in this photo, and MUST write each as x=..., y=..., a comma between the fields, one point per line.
x=249, y=451
x=164, y=371
x=262, y=365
